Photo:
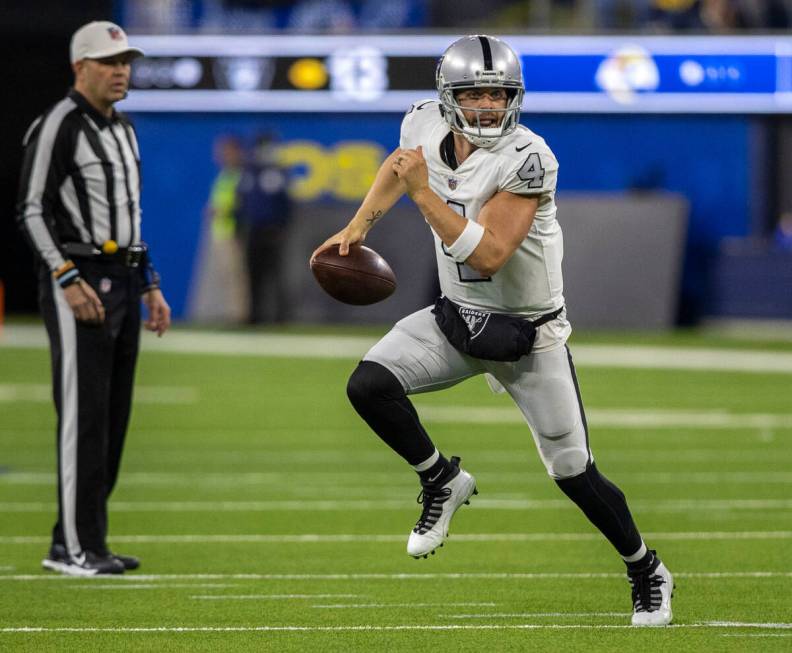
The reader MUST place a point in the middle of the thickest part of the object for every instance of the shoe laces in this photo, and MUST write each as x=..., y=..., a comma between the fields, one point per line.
x=432, y=499
x=647, y=595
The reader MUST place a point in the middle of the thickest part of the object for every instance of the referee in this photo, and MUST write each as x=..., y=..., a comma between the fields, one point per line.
x=79, y=206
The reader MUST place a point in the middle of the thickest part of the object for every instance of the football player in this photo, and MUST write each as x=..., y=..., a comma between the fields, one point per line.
x=485, y=185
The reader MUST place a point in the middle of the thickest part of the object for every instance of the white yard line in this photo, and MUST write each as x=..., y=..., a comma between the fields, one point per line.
x=319, y=479
x=42, y=393
x=753, y=330
x=292, y=505
x=757, y=635
x=508, y=460
x=148, y=458
x=149, y=586
x=307, y=346
x=742, y=624
x=353, y=606
x=682, y=358
x=615, y=418
x=372, y=628
x=522, y=615
x=213, y=343
x=432, y=576
x=267, y=597
x=684, y=505
x=364, y=538
x=520, y=456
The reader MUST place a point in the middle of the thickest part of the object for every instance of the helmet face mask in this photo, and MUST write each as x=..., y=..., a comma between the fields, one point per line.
x=480, y=62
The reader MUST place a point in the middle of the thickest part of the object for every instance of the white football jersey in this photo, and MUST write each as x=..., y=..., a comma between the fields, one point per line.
x=530, y=282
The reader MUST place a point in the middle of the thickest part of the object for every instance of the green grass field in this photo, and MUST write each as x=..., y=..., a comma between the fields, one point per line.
x=268, y=517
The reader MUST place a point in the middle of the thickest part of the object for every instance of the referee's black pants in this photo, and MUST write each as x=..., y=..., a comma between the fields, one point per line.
x=93, y=369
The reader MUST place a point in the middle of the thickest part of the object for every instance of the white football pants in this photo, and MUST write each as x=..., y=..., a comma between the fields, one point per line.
x=542, y=384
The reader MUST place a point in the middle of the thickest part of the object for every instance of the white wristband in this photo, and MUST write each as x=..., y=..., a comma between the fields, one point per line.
x=468, y=240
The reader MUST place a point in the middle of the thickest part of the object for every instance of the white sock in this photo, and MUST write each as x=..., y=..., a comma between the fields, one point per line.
x=426, y=464
x=635, y=557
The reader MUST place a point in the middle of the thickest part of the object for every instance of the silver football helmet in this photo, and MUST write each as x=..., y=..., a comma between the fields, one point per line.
x=480, y=61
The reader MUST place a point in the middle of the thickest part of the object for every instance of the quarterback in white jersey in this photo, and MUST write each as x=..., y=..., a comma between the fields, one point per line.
x=486, y=187
x=529, y=283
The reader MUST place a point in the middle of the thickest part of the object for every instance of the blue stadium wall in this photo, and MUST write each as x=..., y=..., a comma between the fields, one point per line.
x=708, y=159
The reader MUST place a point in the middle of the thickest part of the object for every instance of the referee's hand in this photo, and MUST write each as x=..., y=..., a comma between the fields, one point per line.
x=159, y=313
x=85, y=303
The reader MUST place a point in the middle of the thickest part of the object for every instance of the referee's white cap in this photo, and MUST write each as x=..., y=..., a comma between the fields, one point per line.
x=100, y=39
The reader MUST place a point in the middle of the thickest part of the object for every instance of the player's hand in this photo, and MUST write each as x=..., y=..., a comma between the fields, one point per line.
x=85, y=303
x=350, y=235
x=159, y=313
x=410, y=167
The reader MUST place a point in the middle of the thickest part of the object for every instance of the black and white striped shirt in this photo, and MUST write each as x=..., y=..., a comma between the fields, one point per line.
x=80, y=180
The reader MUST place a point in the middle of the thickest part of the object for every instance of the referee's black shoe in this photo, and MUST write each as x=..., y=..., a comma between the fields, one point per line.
x=86, y=563
x=129, y=562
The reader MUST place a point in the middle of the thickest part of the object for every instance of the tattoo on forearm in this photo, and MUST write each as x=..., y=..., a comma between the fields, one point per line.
x=375, y=215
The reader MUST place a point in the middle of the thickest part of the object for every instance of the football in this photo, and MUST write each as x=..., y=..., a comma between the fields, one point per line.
x=363, y=277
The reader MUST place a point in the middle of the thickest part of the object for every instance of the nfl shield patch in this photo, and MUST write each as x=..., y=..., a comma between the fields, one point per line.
x=453, y=183
x=105, y=285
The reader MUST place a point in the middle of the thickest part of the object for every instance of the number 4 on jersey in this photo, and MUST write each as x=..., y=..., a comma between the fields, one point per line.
x=532, y=171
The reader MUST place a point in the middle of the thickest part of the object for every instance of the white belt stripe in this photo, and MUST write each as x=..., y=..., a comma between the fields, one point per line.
x=69, y=411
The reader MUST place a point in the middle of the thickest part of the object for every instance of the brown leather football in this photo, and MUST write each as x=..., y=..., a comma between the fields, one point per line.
x=363, y=277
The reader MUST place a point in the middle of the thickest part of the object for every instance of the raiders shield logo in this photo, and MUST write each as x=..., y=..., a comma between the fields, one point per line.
x=453, y=183
x=475, y=320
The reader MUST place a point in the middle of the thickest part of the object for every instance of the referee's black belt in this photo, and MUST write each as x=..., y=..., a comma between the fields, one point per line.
x=129, y=256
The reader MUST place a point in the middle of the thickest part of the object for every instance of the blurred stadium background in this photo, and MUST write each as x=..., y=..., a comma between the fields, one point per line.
x=671, y=120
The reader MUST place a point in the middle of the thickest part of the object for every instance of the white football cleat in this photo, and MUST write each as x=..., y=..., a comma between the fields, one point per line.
x=652, y=589
x=439, y=505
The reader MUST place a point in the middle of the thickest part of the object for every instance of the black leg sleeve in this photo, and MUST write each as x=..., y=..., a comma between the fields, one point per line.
x=605, y=506
x=379, y=398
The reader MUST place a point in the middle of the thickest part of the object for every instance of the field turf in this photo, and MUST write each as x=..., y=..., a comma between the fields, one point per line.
x=268, y=517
